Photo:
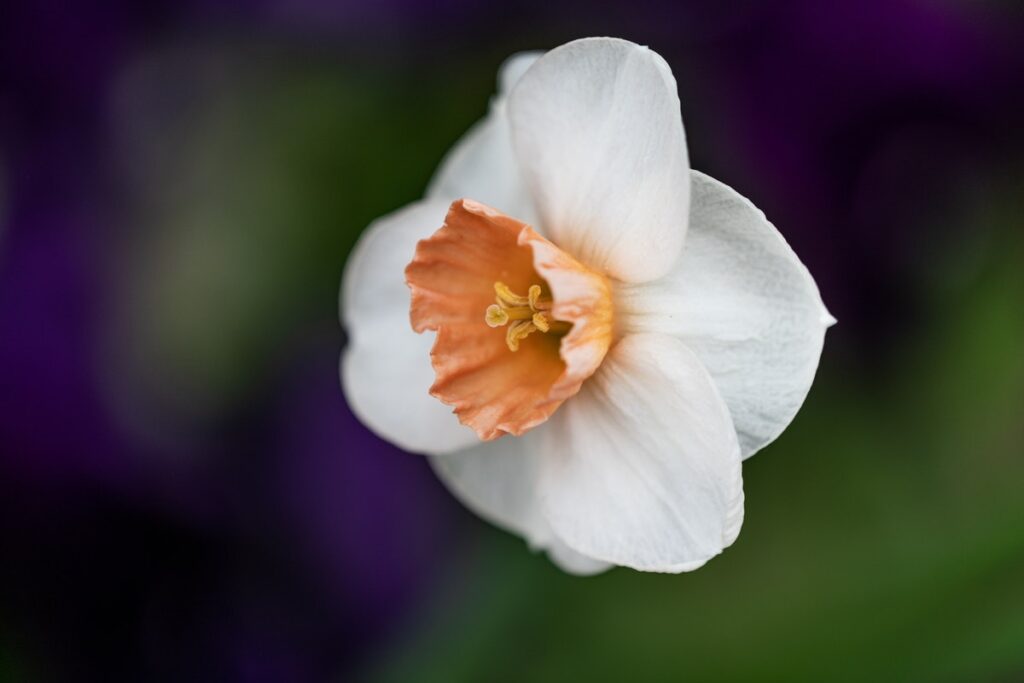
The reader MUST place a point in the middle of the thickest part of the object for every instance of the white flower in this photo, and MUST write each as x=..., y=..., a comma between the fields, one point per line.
x=660, y=331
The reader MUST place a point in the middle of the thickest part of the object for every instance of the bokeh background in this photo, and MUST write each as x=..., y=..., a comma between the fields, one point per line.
x=184, y=495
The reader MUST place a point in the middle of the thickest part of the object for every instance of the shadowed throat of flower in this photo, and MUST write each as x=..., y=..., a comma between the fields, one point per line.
x=520, y=323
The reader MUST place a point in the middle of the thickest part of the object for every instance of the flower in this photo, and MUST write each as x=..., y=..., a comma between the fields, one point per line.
x=631, y=329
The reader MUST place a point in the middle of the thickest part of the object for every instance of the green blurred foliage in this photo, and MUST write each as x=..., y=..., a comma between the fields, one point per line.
x=256, y=205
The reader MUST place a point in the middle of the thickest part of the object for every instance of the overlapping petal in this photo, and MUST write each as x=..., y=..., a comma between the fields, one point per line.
x=746, y=305
x=498, y=481
x=386, y=371
x=642, y=468
x=597, y=131
x=482, y=165
x=568, y=560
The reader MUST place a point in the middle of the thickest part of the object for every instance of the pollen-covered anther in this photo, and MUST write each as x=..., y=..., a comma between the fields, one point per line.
x=524, y=315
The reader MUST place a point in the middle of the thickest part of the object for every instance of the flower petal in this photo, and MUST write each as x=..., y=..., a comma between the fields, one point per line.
x=482, y=165
x=581, y=297
x=642, y=467
x=498, y=481
x=513, y=68
x=386, y=371
x=597, y=130
x=568, y=560
x=743, y=301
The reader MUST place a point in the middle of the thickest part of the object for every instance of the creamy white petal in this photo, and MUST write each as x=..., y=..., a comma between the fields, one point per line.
x=568, y=560
x=597, y=130
x=743, y=301
x=482, y=165
x=498, y=481
x=513, y=68
x=642, y=467
x=385, y=369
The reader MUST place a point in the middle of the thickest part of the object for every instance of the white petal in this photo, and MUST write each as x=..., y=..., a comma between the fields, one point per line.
x=743, y=301
x=513, y=68
x=642, y=467
x=482, y=165
x=386, y=371
x=597, y=131
x=498, y=481
x=568, y=560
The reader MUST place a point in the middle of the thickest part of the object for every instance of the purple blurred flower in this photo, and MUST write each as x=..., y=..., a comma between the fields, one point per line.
x=373, y=522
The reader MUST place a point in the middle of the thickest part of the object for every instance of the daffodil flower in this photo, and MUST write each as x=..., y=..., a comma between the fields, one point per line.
x=584, y=335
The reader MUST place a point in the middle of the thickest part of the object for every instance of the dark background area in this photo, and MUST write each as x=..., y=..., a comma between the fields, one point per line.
x=185, y=496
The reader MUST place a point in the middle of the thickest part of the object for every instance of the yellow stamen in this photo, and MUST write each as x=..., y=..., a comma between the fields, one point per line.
x=524, y=315
x=534, y=299
x=518, y=331
x=496, y=316
x=507, y=297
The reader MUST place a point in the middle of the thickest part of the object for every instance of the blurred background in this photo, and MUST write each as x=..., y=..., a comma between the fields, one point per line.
x=184, y=494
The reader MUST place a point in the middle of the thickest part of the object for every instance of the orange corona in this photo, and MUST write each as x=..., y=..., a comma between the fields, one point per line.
x=490, y=366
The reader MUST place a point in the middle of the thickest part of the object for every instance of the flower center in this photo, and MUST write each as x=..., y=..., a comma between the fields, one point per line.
x=524, y=315
x=482, y=262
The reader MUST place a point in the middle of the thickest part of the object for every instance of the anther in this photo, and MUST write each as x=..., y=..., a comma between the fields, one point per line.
x=524, y=315
x=507, y=297
x=534, y=299
x=496, y=316
x=518, y=331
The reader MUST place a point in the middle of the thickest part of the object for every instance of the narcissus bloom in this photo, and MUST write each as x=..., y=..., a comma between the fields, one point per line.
x=584, y=335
